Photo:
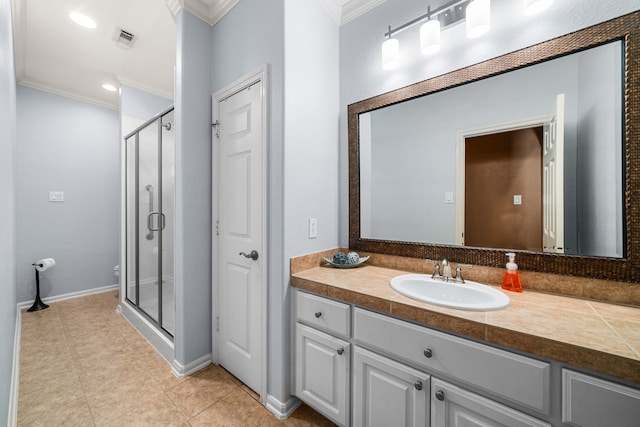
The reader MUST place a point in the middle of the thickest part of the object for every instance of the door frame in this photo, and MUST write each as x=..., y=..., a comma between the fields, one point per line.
x=259, y=74
x=462, y=135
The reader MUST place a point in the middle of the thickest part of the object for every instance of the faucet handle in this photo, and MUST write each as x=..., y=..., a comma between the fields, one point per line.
x=436, y=271
x=458, y=278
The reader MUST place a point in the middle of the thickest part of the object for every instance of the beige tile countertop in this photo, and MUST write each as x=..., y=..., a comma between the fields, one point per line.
x=597, y=336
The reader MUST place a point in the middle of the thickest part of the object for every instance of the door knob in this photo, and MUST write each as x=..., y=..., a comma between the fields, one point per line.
x=253, y=255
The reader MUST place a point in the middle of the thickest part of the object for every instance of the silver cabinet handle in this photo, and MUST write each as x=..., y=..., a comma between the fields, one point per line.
x=418, y=385
x=253, y=255
x=340, y=351
x=440, y=395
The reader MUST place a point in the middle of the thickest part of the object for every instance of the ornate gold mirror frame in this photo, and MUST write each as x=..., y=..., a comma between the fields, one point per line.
x=625, y=28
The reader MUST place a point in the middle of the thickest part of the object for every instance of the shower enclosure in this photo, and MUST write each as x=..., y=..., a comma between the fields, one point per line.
x=150, y=189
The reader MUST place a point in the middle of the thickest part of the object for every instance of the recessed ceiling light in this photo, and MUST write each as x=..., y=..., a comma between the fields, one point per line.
x=82, y=20
x=109, y=87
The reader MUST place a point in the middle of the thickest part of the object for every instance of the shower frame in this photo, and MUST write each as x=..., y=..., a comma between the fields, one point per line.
x=134, y=228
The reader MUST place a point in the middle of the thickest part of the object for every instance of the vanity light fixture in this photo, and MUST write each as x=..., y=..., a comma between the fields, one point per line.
x=476, y=13
x=430, y=35
x=478, y=18
x=390, y=52
x=533, y=7
x=82, y=20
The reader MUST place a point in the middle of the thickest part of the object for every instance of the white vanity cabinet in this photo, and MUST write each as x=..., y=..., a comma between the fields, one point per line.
x=363, y=368
x=388, y=393
x=323, y=359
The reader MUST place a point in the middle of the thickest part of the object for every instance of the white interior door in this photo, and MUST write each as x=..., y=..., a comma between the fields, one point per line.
x=238, y=299
x=553, y=180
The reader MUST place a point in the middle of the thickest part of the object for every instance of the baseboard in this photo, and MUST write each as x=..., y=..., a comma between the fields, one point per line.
x=71, y=295
x=12, y=418
x=282, y=410
x=180, y=370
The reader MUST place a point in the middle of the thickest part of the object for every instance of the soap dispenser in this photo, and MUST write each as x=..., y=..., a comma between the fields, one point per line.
x=511, y=281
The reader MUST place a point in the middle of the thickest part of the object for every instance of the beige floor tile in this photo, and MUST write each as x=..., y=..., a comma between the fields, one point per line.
x=44, y=355
x=38, y=403
x=82, y=364
x=156, y=412
x=74, y=413
x=304, y=416
x=236, y=409
x=34, y=379
x=118, y=398
x=199, y=391
x=159, y=369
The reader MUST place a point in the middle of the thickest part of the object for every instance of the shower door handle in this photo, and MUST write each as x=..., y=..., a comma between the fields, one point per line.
x=160, y=221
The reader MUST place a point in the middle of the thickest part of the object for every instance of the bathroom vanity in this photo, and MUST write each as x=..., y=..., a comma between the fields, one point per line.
x=365, y=355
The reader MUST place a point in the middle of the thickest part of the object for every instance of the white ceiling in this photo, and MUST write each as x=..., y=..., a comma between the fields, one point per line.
x=57, y=55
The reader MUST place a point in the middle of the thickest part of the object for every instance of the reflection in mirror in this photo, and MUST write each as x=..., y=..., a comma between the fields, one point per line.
x=472, y=165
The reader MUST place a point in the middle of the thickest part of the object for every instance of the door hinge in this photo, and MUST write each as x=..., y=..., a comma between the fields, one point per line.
x=217, y=227
x=216, y=126
x=217, y=323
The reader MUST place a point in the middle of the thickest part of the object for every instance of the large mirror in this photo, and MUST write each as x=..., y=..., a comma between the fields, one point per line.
x=532, y=151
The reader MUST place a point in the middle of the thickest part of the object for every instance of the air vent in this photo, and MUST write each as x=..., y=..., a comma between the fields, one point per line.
x=124, y=39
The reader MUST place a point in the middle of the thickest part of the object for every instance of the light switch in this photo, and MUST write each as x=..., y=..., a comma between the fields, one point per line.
x=517, y=199
x=56, y=196
x=448, y=197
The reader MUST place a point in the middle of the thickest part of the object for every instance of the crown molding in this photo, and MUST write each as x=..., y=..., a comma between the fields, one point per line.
x=211, y=11
x=343, y=11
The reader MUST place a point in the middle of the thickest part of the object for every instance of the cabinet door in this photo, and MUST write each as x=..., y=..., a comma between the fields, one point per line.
x=592, y=402
x=387, y=393
x=322, y=372
x=453, y=406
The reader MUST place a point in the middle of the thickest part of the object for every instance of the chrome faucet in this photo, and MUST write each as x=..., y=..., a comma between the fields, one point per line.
x=446, y=275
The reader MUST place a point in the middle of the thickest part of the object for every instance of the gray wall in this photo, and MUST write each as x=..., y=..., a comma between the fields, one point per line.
x=193, y=189
x=302, y=139
x=361, y=75
x=7, y=207
x=66, y=145
x=257, y=30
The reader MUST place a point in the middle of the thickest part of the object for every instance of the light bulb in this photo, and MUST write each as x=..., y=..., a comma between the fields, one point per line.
x=82, y=20
x=478, y=18
x=390, y=54
x=430, y=37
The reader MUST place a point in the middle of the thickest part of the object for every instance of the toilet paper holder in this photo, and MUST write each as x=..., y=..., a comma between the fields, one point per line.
x=40, y=265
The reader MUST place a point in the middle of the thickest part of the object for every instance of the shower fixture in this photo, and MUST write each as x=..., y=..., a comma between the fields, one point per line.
x=149, y=188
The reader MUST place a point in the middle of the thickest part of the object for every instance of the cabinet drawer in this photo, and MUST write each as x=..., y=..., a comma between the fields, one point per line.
x=323, y=313
x=592, y=402
x=513, y=377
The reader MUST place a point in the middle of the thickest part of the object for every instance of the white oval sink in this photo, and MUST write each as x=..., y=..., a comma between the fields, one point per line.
x=468, y=296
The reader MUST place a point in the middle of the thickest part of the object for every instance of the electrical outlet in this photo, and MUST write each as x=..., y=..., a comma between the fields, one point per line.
x=313, y=228
x=517, y=199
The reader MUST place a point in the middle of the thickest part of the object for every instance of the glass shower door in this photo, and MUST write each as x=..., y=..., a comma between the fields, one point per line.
x=150, y=188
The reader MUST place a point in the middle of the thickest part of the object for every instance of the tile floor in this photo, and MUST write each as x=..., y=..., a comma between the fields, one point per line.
x=82, y=364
